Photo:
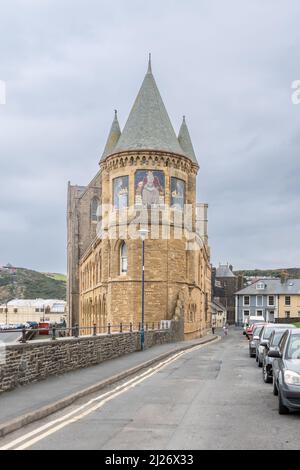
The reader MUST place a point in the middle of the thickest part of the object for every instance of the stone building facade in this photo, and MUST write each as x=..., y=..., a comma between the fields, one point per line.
x=225, y=284
x=147, y=179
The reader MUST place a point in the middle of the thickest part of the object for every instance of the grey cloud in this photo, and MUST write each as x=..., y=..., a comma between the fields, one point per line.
x=227, y=65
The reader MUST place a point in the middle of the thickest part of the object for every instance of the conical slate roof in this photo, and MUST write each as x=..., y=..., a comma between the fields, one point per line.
x=185, y=142
x=113, y=137
x=148, y=126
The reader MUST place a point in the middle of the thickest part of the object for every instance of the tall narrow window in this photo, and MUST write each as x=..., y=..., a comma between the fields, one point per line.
x=94, y=207
x=123, y=258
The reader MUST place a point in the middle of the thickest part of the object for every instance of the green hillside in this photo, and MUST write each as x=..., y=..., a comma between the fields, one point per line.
x=27, y=284
x=293, y=273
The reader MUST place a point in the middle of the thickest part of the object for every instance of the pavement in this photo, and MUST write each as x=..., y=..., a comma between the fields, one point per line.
x=10, y=337
x=39, y=399
x=208, y=398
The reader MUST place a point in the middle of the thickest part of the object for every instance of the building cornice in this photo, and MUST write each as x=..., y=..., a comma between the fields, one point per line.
x=155, y=158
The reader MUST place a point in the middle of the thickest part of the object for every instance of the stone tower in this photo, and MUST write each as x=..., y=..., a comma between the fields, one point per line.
x=147, y=178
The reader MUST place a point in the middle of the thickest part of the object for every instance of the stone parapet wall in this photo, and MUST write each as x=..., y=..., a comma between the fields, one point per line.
x=21, y=364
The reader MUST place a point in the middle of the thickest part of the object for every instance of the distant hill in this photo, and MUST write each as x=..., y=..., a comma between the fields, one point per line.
x=293, y=273
x=28, y=284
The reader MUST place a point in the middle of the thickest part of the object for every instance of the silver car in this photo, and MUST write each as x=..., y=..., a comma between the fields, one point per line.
x=264, y=337
x=255, y=338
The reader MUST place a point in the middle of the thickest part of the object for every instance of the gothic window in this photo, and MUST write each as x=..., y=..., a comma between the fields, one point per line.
x=123, y=258
x=94, y=207
x=177, y=193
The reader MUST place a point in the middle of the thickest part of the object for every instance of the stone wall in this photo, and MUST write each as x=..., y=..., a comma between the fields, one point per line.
x=287, y=320
x=34, y=361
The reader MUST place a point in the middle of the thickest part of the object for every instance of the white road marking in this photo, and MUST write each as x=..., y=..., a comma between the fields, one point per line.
x=59, y=423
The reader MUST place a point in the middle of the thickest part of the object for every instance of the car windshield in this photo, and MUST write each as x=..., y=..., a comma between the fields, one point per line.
x=277, y=337
x=257, y=330
x=267, y=332
x=293, y=349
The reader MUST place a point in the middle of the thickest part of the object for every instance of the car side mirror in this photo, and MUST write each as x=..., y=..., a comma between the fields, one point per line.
x=256, y=338
x=264, y=343
x=274, y=352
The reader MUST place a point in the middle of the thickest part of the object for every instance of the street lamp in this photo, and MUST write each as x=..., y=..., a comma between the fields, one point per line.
x=143, y=233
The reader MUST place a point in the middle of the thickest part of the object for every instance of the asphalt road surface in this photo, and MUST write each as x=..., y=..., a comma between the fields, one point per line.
x=212, y=397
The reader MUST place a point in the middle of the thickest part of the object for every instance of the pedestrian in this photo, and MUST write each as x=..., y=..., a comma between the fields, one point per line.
x=225, y=329
x=213, y=327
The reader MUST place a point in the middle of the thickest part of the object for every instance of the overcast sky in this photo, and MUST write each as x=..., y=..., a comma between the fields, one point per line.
x=228, y=66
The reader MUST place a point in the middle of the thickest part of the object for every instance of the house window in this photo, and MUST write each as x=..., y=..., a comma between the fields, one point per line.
x=246, y=300
x=259, y=313
x=123, y=258
x=246, y=313
x=260, y=285
x=271, y=300
x=299, y=313
x=259, y=300
x=37, y=309
x=287, y=314
x=1, y=310
x=287, y=300
x=94, y=207
x=15, y=310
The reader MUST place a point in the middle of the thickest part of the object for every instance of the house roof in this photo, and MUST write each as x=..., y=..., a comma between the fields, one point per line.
x=37, y=303
x=223, y=270
x=148, y=126
x=272, y=287
x=217, y=306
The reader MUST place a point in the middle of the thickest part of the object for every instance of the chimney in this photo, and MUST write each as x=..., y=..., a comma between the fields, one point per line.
x=284, y=276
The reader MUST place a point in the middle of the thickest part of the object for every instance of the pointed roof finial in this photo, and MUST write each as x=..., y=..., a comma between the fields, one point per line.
x=116, y=114
x=149, y=64
x=183, y=118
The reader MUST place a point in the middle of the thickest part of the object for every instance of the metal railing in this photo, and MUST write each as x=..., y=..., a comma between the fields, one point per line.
x=56, y=331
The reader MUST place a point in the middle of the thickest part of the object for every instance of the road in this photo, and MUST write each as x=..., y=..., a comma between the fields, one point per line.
x=212, y=397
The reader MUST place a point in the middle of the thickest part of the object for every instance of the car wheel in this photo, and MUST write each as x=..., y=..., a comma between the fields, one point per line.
x=282, y=410
x=266, y=377
x=275, y=390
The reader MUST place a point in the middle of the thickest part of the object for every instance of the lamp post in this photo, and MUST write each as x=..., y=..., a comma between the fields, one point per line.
x=143, y=233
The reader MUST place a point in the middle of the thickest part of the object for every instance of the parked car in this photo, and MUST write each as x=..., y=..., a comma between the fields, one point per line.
x=255, y=337
x=264, y=337
x=272, y=345
x=286, y=371
x=253, y=320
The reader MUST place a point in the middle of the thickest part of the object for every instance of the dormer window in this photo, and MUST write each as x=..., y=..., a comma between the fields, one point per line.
x=260, y=286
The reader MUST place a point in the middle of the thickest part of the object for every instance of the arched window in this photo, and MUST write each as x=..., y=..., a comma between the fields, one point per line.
x=94, y=207
x=123, y=258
